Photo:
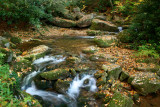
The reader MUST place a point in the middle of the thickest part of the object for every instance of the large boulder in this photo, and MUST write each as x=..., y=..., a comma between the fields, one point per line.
x=85, y=21
x=105, y=41
x=120, y=100
x=103, y=25
x=113, y=70
x=34, y=53
x=145, y=82
x=55, y=74
x=60, y=22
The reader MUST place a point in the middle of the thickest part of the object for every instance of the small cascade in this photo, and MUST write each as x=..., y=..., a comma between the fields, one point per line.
x=120, y=29
x=77, y=83
x=39, y=64
x=70, y=99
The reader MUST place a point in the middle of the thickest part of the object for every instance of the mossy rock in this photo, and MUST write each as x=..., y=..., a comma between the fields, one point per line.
x=99, y=58
x=104, y=41
x=102, y=80
x=145, y=82
x=90, y=50
x=60, y=22
x=124, y=75
x=120, y=100
x=103, y=25
x=113, y=70
x=56, y=74
x=93, y=33
x=15, y=40
x=73, y=60
x=62, y=86
x=23, y=66
x=35, y=53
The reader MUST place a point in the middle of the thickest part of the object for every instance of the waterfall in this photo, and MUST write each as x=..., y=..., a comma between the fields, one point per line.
x=57, y=99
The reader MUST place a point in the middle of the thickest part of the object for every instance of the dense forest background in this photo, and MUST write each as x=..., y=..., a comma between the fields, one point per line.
x=143, y=34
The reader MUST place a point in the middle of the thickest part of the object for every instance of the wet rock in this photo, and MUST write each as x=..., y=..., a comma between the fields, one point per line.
x=85, y=21
x=124, y=75
x=63, y=22
x=99, y=58
x=73, y=60
x=62, y=86
x=103, y=25
x=4, y=42
x=113, y=70
x=42, y=84
x=82, y=68
x=120, y=100
x=35, y=53
x=15, y=40
x=56, y=74
x=105, y=41
x=90, y=49
x=145, y=82
x=93, y=33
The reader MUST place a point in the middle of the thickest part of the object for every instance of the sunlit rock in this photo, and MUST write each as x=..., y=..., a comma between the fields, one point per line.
x=145, y=82
x=103, y=25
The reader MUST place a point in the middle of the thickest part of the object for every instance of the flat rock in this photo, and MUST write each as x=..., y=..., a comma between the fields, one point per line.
x=145, y=82
x=90, y=49
x=60, y=22
x=35, y=52
x=55, y=74
x=103, y=25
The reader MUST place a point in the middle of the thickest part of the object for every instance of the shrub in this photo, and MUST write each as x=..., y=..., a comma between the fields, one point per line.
x=146, y=26
x=31, y=11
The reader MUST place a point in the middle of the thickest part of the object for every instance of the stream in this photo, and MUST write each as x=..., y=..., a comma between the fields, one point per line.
x=61, y=49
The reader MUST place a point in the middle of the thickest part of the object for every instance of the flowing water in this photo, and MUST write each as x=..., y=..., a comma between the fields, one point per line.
x=69, y=99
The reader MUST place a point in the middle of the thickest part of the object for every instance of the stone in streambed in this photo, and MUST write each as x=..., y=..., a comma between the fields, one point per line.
x=90, y=49
x=113, y=70
x=103, y=25
x=120, y=100
x=145, y=82
x=35, y=53
x=124, y=75
x=62, y=86
x=105, y=41
x=56, y=74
